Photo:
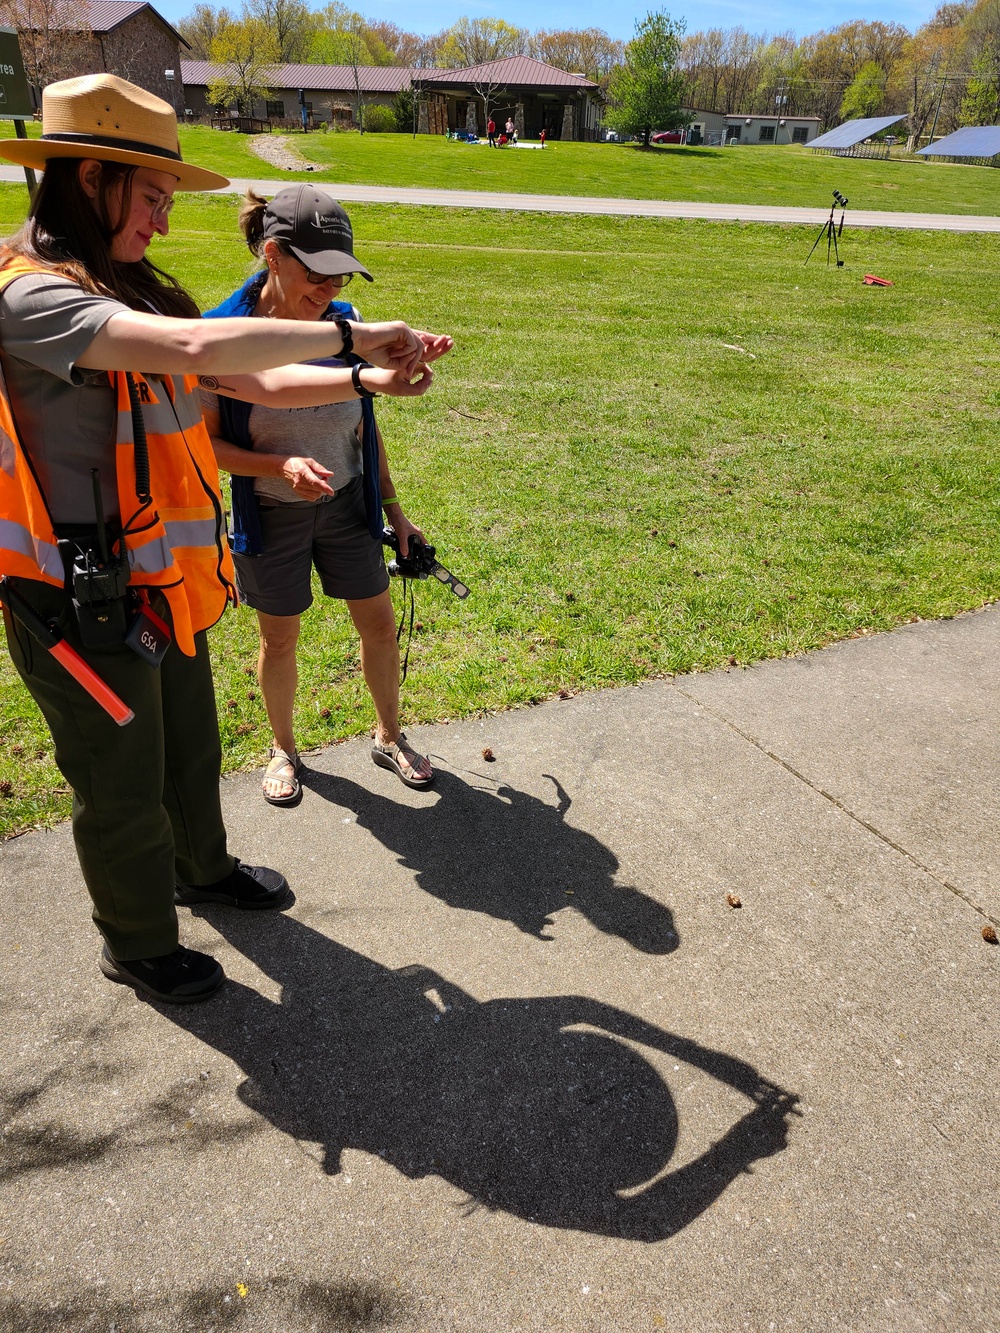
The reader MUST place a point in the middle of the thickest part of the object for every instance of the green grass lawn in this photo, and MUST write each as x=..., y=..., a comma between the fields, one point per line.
x=750, y=175
x=658, y=447
x=756, y=175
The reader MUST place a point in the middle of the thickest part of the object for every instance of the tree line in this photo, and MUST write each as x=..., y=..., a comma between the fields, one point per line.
x=338, y=35
x=948, y=69
x=945, y=74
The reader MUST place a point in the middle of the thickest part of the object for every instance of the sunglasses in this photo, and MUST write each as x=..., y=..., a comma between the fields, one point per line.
x=317, y=279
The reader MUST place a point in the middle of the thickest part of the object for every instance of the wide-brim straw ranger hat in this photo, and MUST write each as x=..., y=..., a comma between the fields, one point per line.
x=104, y=117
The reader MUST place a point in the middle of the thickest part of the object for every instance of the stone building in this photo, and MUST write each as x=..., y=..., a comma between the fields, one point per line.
x=130, y=39
x=124, y=37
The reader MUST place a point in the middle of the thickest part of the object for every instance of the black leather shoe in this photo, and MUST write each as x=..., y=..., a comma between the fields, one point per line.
x=181, y=977
x=254, y=887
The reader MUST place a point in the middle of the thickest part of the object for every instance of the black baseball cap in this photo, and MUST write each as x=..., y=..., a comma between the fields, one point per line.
x=315, y=228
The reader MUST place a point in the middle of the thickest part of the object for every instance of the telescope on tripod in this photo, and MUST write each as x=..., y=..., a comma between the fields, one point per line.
x=832, y=230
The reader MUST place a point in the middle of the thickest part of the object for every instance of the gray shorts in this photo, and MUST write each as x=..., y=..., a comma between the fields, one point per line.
x=332, y=535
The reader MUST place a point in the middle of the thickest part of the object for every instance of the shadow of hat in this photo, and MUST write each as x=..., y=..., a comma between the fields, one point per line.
x=104, y=117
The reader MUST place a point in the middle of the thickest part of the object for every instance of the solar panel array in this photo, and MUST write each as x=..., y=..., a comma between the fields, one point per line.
x=854, y=131
x=973, y=141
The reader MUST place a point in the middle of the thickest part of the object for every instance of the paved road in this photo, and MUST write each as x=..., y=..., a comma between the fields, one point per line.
x=512, y=1063
x=645, y=208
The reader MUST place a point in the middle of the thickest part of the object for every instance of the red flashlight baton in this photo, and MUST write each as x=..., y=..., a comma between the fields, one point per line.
x=67, y=657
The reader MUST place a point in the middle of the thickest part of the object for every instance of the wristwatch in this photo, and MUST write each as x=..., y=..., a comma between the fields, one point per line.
x=359, y=388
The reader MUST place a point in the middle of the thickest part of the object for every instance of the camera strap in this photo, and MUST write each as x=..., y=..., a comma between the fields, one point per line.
x=407, y=588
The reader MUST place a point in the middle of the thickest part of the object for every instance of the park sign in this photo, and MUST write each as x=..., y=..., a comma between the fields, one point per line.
x=15, y=95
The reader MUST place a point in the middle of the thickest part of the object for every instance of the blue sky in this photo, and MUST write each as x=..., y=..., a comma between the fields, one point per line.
x=754, y=15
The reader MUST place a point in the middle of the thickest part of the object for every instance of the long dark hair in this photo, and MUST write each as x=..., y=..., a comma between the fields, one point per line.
x=66, y=234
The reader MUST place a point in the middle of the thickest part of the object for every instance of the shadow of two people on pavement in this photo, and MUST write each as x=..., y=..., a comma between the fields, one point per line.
x=540, y=1107
x=507, y=854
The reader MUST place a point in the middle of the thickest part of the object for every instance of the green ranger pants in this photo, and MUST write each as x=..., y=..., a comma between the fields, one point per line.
x=146, y=807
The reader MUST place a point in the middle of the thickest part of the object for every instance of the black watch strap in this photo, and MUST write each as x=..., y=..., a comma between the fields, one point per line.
x=359, y=388
x=347, y=334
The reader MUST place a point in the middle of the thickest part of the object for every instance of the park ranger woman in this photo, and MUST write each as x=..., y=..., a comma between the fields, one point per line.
x=111, y=522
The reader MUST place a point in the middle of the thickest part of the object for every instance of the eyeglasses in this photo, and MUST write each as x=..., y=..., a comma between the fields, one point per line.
x=159, y=204
x=317, y=279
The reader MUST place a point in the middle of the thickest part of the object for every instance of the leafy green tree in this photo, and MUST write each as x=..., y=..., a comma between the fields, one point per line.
x=865, y=94
x=404, y=109
x=289, y=22
x=343, y=37
x=981, y=103
x=478, y=41
x=245, y=52
x=201, y=27
x=646, y=91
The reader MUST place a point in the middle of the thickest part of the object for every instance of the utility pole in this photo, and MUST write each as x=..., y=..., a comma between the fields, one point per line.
x=780, y=98
x=937, y=112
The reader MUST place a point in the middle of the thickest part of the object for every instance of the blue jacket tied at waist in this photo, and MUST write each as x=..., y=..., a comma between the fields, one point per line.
x=235, y=417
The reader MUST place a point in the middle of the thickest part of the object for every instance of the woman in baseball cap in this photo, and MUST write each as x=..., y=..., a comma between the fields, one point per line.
x=309, y=488
x=99, y=350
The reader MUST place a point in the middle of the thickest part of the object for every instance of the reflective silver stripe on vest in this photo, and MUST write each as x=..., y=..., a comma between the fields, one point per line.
x=19, y=541
x=154, y=556
x=192, y=532
x=163, y=417
x=186, y=405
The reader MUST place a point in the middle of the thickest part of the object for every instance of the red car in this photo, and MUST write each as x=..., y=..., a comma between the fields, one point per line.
x=667, y=136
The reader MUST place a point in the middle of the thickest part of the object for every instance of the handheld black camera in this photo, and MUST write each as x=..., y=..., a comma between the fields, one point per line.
x=420, y=562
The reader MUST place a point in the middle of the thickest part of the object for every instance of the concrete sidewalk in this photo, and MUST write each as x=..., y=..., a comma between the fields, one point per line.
x=512, y=1061
x=639, y=208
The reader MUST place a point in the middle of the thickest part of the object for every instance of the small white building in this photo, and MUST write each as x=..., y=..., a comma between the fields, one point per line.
x=715, y=128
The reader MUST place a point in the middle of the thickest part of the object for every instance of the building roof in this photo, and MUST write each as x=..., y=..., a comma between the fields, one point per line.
x=517, y=71
x=315, y=78
x=512, y=72
x=106, y=15
x=735, y=117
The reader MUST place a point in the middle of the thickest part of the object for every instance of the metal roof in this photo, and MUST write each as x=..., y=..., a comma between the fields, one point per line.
x=513, y=72
x=314, y=78
x=854, y=131
x=733, y=119
x=972, y=141
x=107, y=14
x=517, y=71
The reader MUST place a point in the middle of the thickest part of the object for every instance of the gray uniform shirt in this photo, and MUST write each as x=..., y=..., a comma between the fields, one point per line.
x=328, y=433
x=65, y=415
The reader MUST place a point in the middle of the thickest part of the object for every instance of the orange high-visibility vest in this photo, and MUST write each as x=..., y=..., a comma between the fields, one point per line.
x=176, y=542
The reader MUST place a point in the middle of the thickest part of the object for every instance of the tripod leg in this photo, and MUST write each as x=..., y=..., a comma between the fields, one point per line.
x=816, y=242
x=823, y=231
